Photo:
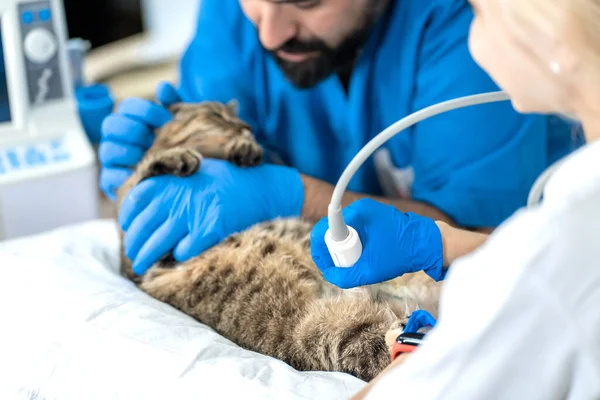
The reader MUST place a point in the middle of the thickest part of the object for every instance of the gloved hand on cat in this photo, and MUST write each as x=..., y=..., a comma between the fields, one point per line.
x=419, y=319
x=394, y=243
x=188, y=215
x=127, y=135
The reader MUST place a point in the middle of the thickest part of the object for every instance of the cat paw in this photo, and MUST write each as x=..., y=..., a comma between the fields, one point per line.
x=178, y=162
x=244, y=153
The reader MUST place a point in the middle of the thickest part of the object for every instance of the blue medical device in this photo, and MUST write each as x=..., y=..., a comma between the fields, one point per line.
x=48, y=174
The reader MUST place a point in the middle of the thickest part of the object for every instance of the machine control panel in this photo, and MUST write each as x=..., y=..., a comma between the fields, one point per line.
x=40, y=51
x=34, y=156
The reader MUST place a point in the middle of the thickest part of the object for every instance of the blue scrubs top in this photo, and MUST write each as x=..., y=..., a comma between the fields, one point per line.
x=476, y=164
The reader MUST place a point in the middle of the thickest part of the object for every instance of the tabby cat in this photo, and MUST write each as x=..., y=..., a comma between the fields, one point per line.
x=259, y=288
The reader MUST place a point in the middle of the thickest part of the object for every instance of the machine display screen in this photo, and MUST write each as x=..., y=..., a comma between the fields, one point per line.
x=5, y=114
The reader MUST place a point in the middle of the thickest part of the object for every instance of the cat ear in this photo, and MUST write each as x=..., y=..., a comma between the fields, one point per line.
x=234, y=106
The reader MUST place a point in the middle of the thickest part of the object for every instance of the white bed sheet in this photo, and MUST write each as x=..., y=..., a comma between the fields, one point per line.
x=72, y=328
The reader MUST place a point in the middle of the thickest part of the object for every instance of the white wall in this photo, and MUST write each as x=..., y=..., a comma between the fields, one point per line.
x=171, y=24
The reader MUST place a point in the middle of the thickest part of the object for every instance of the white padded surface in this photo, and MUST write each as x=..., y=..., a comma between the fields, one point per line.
x=72, y=328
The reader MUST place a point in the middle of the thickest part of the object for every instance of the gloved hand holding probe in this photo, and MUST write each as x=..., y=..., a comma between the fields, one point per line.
x=394, y=243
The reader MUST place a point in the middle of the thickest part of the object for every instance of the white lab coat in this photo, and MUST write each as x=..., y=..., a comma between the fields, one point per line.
x=520, y=317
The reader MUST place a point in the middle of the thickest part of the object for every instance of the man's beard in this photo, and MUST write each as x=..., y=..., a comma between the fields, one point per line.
x=306, y=74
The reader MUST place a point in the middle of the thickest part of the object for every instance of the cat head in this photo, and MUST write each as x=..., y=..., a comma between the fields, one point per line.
x=212, y=128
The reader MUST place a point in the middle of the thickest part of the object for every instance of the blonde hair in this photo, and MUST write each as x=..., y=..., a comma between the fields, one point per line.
x=572, y=22
x=586, y=14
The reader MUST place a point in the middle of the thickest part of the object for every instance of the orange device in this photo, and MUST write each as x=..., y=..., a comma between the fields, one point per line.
x=406, y=343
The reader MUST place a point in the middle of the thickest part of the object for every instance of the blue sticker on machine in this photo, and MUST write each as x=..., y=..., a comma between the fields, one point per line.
x=33, y=156
x=59, y=152
x=12, y=156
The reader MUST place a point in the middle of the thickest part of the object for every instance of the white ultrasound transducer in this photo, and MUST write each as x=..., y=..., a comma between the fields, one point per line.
x=47, y=164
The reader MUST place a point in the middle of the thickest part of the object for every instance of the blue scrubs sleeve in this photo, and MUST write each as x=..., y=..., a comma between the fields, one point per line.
x=220, y=63
x=476, y=164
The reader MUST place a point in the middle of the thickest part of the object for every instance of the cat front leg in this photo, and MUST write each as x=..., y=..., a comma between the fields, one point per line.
x=178, y=161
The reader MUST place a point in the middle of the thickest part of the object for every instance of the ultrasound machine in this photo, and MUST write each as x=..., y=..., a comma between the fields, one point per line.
x=48, y=174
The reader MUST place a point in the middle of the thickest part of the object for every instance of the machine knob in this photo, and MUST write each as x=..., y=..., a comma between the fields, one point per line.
x=40, y=45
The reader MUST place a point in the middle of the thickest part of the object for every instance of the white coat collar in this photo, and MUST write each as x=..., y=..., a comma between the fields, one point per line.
x=578, y=175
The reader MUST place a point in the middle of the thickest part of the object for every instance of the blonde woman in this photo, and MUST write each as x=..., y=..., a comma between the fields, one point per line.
x=519, y=315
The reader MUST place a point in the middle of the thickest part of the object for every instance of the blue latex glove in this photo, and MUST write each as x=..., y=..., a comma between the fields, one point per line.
x=189, y=215
x=394, y=243
x=419, y=319
x=127, y=135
